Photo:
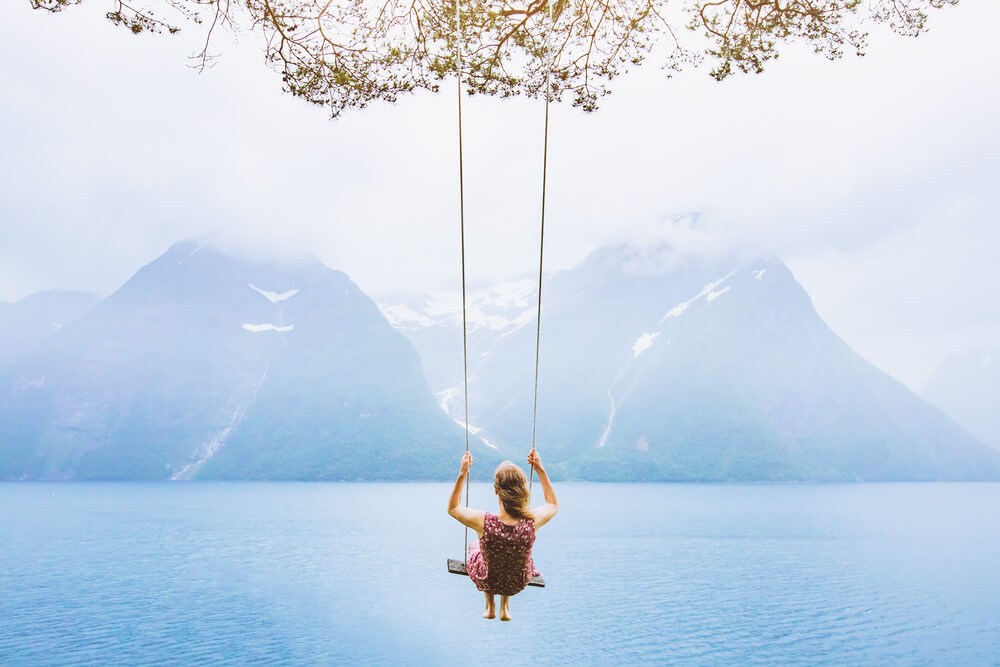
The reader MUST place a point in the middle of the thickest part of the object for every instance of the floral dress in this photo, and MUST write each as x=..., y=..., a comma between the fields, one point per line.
x=500, y=562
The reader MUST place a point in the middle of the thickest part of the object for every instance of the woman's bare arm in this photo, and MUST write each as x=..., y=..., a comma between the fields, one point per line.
x=474, y=519
x=544, y=513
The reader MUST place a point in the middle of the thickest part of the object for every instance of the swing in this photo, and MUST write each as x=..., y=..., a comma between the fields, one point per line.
x=458, y=567
x=461, y=566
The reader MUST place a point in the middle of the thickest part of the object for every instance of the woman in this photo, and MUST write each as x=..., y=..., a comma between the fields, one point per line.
x=499, y=560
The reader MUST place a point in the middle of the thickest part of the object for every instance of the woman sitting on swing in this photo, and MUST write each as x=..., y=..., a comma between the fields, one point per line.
x=499, y=561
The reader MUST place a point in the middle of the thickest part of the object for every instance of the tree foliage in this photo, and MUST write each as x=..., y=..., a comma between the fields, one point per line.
x=347, y=53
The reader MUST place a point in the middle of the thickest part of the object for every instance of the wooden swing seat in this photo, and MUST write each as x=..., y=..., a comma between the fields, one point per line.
x=458, y=567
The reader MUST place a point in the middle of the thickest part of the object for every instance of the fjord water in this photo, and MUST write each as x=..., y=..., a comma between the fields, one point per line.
x=332, y=573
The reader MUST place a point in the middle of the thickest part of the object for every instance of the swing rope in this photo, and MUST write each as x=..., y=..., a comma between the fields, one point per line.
x=541, y=252
x=461, y=216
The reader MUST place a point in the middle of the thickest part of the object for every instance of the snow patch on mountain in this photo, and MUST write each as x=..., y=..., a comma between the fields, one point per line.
x=676, y=311
x=274, y=297
x=446, y=396
x=502, y=308
x=707, y=291
x=643, y=343
x=712, y=296
x=401, y=316
x=257, y=328
x=759, y=274
x=515, y=294
x=521, y=320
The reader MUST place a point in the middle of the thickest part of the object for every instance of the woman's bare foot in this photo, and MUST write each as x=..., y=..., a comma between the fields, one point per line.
x=490, y=607
x=504, y=608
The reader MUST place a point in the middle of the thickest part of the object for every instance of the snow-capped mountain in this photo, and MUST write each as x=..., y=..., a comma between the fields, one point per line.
x=206, y=365
x=26, y=324
x=967, y=387
x=434, y=323
x=692, y=370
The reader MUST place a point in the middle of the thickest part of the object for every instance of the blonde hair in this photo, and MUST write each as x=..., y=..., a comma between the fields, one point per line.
x=512, y=488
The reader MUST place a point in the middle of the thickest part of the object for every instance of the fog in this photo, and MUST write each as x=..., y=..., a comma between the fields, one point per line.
x=873, y=178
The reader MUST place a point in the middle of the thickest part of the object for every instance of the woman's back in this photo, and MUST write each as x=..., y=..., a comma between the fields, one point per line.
x=502, y=564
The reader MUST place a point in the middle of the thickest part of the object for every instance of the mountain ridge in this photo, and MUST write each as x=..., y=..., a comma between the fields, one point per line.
x=205, y=365
x=966, y=386
x=653, y=367
x=662, y=368
x=28, y=322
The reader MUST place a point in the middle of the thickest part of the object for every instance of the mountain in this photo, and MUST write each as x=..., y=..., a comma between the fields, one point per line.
x=655, y=367
x=967, y=387
x=206, y=365
x=33, y=319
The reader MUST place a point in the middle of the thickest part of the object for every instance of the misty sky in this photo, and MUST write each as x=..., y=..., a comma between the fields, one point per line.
x=873, y=178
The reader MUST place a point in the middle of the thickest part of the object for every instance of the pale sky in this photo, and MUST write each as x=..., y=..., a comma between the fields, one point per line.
x=874, y=178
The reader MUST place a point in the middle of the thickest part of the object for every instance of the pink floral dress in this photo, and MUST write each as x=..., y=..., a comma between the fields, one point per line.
x=500, y=563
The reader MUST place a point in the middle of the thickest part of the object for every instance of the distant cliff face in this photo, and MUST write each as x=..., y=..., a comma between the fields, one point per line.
x=702, y=371
x=205, y=365
x=25, y=325
x=967, y=387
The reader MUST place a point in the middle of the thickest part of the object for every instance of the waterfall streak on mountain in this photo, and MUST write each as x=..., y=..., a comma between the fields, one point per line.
x=213, y=446
x=444, y=401
x=475, y=430
x=611, y=419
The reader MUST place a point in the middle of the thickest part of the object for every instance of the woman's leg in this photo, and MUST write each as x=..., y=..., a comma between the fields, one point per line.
x=490, y=606
x=504, y=610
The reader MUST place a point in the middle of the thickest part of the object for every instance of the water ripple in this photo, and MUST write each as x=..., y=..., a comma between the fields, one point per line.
x=340, y=573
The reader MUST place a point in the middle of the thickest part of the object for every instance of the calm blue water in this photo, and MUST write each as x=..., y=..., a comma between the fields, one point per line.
x=332, y=573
